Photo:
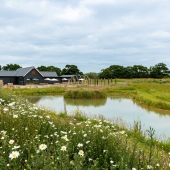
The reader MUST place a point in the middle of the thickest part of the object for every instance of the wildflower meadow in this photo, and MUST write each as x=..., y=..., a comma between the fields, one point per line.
x=33, y=138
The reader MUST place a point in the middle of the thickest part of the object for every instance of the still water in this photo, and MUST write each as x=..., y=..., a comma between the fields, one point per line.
x=111, y=108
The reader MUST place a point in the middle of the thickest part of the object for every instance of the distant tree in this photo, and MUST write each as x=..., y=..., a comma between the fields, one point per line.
x=50, y=68
x=159, y=71
x=42, y=68
x=139, y=71
x=56, y=69
x=92, y=75
x=71, y=70
x=11, y=67
x=0, y=67
x=105, y=73
x=127, y=72
x=117, y=71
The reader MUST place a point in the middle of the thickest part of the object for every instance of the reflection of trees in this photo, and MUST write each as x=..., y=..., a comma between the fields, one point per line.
x=85, y=102
x=34, y=99
x=161, y=112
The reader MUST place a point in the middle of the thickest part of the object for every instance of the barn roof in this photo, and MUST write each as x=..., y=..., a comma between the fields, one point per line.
x=23, y=71
x=7, y=73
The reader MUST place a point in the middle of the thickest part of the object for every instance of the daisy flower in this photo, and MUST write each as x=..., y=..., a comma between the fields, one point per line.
x=43, y=147
x=81, y=152
x=14, y=154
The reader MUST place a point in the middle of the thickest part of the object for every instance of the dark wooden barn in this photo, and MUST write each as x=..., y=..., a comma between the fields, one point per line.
x=23, y=76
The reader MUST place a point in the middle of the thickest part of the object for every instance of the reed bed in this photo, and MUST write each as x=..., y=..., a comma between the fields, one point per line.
x=34, y=138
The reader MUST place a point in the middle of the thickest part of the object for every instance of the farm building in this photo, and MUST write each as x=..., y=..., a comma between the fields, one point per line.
x=31, y=75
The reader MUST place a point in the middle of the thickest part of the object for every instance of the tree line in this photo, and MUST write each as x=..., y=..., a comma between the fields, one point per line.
x=160, y=70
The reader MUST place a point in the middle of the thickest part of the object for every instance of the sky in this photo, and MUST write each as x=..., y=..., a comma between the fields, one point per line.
x=91, y=34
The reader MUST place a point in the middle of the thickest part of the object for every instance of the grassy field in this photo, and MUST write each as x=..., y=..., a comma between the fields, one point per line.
x=32, y=138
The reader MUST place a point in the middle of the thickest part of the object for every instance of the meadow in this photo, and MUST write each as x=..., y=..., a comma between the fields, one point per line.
x=35, y=138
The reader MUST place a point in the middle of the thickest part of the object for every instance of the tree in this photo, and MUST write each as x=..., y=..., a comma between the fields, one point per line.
x=159, y=71
x=127, y=72
x=92, y=75
x=50, y=68
x=71, y=70
x=117, y=71
x=139, y=71
x=11, y=67
x=105, y=73
x=56, y=69
x=42, y=68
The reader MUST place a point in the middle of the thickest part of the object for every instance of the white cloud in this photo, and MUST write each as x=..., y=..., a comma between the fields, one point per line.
x=84, y=32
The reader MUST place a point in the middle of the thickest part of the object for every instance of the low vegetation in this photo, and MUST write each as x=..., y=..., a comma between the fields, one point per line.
x=34, y=138
x=39, y=91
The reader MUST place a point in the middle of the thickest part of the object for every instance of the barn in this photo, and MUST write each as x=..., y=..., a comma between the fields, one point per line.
x=23, y=76
x=31, y=75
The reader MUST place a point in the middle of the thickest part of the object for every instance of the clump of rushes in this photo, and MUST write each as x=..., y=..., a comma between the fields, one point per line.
x=34, y=138
x=73, y=94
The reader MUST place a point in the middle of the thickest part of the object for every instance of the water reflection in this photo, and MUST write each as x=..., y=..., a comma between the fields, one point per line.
x=85, y=102
x=110, y=108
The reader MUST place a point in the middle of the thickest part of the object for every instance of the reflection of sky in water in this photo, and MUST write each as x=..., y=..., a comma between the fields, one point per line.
x=124, y=108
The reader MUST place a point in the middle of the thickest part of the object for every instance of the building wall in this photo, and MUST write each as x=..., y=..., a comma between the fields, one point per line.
x=7, y=80
x=33, y=74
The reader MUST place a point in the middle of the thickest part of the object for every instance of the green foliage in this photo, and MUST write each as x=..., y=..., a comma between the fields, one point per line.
x=92, y=75
x=84, y=94
x=105, y=73
x=71, y=70
x=50, y=68
x=159, y=71
x=11, y=67
x=137, y=71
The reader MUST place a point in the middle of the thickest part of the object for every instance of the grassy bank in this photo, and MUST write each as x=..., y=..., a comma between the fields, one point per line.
x=151, y=94
x=39, y=91
x=34, y=138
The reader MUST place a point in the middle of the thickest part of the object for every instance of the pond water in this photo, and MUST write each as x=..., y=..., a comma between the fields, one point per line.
x=111, y=108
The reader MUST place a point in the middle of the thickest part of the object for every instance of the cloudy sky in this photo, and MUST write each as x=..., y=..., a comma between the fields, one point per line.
x=92, y=34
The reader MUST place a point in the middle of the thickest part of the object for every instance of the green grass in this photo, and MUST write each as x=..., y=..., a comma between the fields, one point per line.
x=40, y=91
x=73, y=142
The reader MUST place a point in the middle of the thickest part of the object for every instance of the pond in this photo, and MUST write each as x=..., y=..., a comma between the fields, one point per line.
x=110, y=108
